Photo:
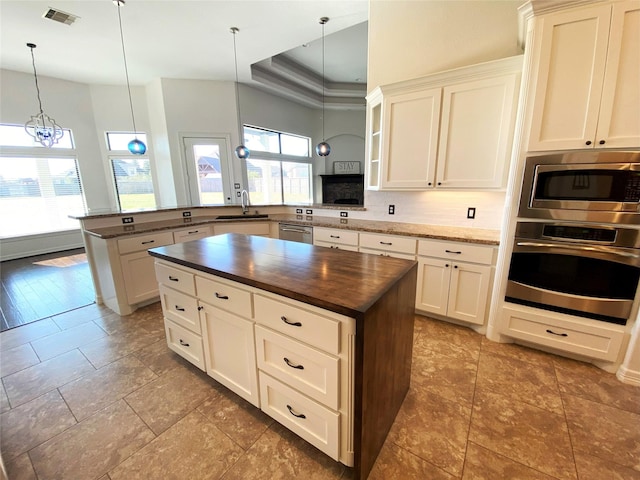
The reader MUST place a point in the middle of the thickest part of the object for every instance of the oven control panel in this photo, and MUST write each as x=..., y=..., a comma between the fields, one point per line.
x=589, y=234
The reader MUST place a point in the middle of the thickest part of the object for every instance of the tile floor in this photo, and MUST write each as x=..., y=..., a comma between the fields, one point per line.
x=92, y=395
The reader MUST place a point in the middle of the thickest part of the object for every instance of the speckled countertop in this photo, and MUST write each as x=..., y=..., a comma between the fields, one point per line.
x=440, y=232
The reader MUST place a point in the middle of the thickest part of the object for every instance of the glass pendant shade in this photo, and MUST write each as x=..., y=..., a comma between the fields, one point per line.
x=323, y=149
x=137, y=147
x=242, y=152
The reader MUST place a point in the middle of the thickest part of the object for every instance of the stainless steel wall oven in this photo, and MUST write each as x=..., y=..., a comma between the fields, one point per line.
x=586, y=270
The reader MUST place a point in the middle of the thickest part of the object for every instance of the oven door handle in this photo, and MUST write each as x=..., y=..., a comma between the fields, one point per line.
x=629, y=257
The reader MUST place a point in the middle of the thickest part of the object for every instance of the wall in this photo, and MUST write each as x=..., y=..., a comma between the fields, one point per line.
x=411, y=39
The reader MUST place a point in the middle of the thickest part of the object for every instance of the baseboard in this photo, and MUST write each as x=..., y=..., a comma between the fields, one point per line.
x=632, y=377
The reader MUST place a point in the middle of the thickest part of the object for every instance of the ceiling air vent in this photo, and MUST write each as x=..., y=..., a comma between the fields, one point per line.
x=60, y=16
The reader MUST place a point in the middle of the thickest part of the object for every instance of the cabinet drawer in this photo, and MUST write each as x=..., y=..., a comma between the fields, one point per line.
x=175, y=278
x=389, y=243
x=304, y=325
x=332, y=235
x=192, y=233
x=180, y=308
x=185, y=343
x=144, y=242
x=337, y=246
x=306, y=369
x=224, y=296
x=456, y=251
x=383, y=253
x=562, y=333
x=316, y=424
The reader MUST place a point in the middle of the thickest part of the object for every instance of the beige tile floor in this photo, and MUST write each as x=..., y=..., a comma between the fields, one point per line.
x=92, y=395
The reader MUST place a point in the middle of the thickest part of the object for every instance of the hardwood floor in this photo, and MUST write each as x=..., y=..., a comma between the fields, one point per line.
x=39, y=287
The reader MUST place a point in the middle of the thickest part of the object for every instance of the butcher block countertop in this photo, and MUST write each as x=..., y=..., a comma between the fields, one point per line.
x=338, y=280
x=378, y=292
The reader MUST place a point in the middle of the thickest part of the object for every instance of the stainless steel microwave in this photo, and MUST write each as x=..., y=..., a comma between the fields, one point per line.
x=582, y=186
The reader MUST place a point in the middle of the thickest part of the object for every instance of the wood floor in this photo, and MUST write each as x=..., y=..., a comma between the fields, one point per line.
x=39, y=287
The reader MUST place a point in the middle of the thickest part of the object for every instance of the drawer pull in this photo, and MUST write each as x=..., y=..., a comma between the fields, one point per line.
x=179, y=308
x=386, y=243
x=558, y=334
x=451, y=251
x=192, y=232
x=293, y=324
x=183, y=343
x=174, y=279
x=299, y=415
x=334, y=236
x=292, y=365
x=148, y=241
x=222, y=297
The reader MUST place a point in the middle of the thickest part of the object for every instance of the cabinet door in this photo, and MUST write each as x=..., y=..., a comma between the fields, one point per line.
x=139, y=275
x=433, y=285
x=230, y=351
x=572, y=50
x=476, y=133
x=468, y=292
x=410, y=143
x=619, y=121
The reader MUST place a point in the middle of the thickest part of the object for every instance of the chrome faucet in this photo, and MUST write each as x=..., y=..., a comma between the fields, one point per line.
x=245, y=203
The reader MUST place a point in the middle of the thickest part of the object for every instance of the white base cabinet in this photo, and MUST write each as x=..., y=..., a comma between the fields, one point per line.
x=292, y=360
x=449, y=284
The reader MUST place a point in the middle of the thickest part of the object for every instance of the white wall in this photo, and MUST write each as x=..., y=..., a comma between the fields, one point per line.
x=411, y=39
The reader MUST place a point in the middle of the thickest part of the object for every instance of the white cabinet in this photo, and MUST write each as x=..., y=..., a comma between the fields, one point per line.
x=246, y=227
x=335, y=238
x=448, y=130
x=586, y=88
x=388, y=245
x=454, y=279
x=563, y=332
x=305, y=361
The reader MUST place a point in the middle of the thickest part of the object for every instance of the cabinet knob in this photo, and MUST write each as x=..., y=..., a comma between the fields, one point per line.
x=455, y=266
x=602, y=142
x=588, y=142
x=446, y=265
x=439, y=183
x=429, y=183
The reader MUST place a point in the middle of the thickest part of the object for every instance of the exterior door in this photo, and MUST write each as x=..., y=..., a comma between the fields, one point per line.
x=208, y=170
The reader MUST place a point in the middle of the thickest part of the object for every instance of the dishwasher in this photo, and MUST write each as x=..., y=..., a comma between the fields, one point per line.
x=296, y=233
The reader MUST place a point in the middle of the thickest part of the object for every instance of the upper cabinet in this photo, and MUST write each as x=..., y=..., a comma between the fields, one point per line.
x=447, y=130
x=586, y=91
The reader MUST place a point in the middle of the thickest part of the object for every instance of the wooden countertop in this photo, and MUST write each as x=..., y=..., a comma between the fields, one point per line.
x=341, y=281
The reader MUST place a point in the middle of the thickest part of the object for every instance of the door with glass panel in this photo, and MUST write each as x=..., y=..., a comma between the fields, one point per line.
x=208, y=170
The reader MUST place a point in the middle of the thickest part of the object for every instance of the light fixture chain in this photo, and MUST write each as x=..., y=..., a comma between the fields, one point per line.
x=126, y=72
x=35, y=74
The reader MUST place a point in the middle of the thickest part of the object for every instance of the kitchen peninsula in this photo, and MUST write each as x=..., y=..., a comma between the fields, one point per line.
x=321, y=338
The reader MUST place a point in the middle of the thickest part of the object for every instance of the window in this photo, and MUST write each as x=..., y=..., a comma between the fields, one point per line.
x=131, y=173
x=279, y=169
x=38, y=194
x=16, y=136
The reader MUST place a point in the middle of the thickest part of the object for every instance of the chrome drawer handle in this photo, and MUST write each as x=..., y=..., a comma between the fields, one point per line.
x=222, y=297
x=174, y=279
x=451, y=251
x=180, y=309
x=292, y=365
x=293, y=324
x=558, y=334
x=148, y=241
x=183, y=343
x=299, y=415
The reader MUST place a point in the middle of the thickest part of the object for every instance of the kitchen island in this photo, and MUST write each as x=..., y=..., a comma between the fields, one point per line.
x=345, y=319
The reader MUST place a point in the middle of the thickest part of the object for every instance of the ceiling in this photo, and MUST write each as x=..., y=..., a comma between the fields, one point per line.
x=192, y=40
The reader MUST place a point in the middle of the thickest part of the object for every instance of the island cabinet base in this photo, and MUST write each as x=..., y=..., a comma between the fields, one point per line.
x=332, y=366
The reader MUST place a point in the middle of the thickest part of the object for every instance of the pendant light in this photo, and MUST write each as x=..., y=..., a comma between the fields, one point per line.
x=323, y=148
x=42, y=127
x=135, y=146
x=242, y=152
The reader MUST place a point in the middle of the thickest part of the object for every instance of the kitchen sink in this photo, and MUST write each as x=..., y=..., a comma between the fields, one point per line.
x=240, y=217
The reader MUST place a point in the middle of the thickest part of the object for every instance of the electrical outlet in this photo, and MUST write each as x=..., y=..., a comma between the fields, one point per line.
x=298, y=210
x=392, y=209
x=186, y=214
x=238, y=194
x=236, y=186
x=344, y=214
x=309, y=212
x=471, y=212
x=127, y=219
x=342, y=220
x=309, y=218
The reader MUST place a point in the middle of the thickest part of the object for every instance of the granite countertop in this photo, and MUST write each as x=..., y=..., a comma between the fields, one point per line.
x=338, y=280
x=438, y=232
